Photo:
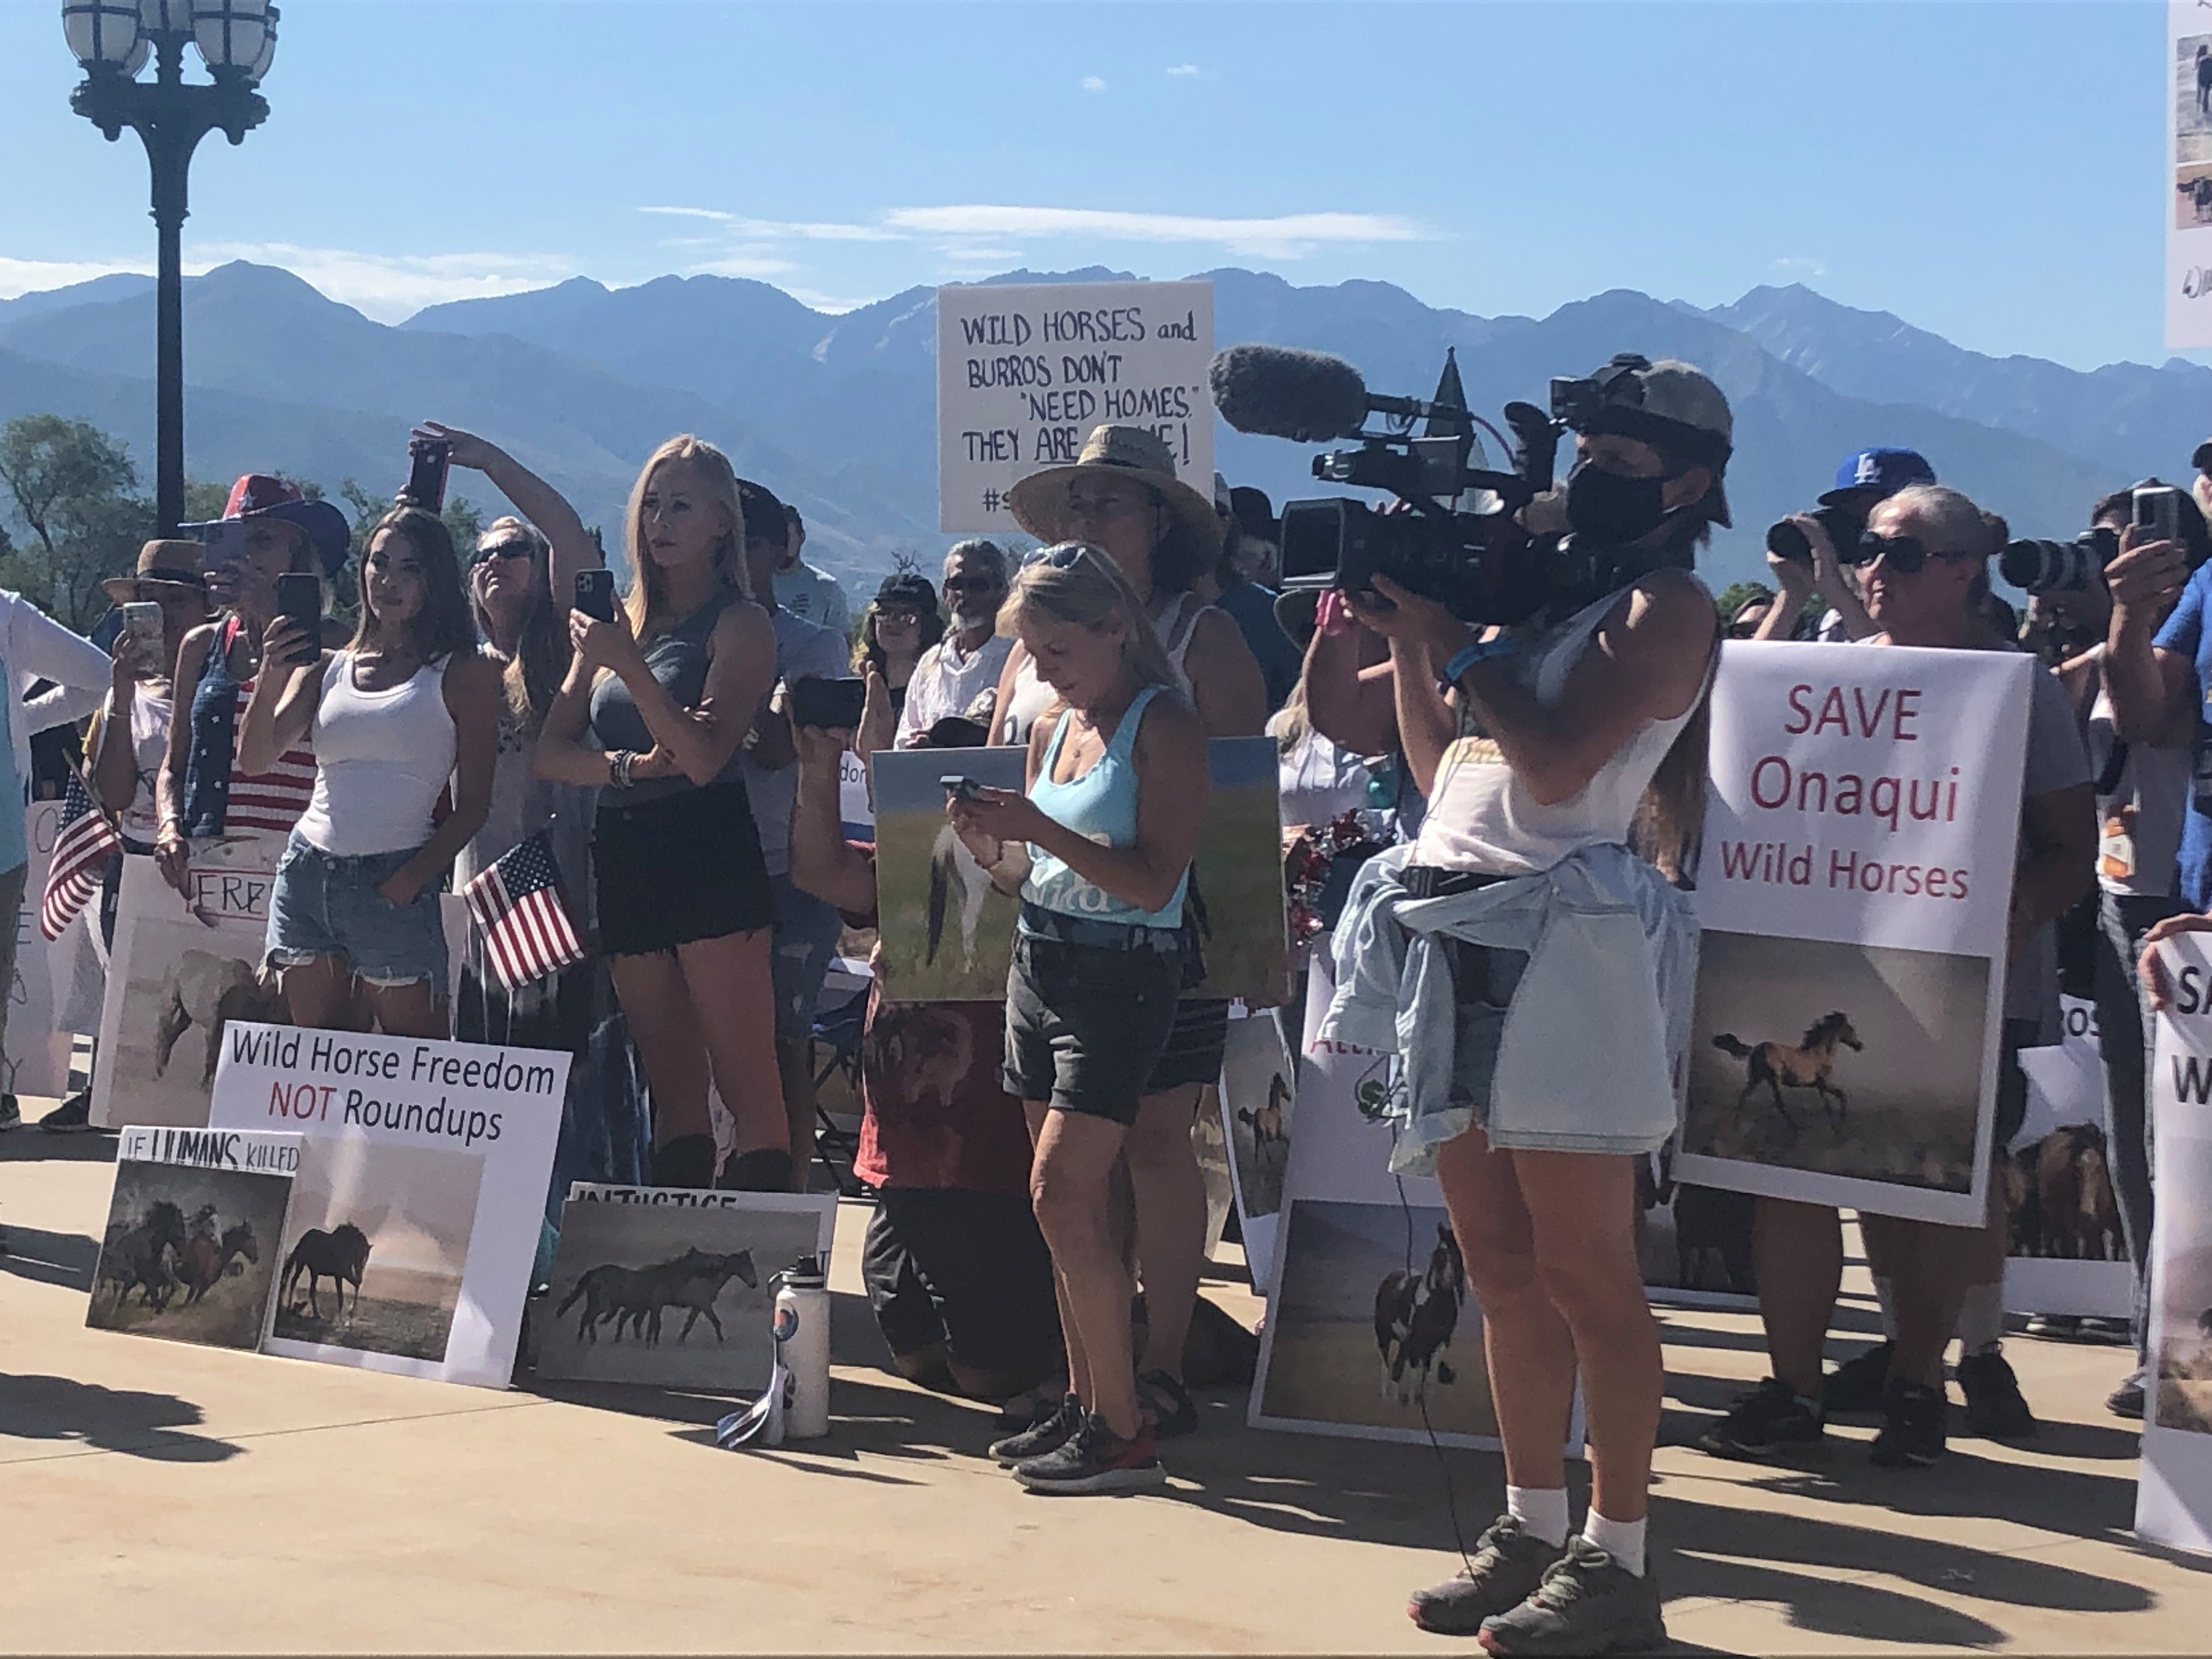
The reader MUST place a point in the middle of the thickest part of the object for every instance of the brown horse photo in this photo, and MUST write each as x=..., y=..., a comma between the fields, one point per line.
x=1810, y=1063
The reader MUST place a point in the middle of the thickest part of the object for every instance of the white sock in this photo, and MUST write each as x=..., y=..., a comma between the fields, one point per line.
x=1981, y=1320
x=1621, y=1539
x=1541, y=1511
x=1885, y=1295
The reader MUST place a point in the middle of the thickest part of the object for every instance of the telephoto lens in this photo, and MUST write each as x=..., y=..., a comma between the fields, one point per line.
x=2047, y=567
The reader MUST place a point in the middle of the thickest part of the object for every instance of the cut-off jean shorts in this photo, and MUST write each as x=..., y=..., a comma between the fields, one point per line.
x=323, y=905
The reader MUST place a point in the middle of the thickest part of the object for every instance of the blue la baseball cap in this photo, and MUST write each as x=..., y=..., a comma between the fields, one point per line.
x=1883, y=470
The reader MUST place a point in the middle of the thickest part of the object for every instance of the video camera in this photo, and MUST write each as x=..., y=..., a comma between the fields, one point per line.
x=1451, y=536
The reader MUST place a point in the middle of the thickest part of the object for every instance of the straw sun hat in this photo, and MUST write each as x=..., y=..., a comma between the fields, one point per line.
x=1039, y=501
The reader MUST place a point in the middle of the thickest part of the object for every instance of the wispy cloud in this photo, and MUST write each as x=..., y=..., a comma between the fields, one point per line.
x=1285, y=237
x=1798, y=265
x=19, y=276
x=780, y=229
x=1182, y=69
x=1092, y=84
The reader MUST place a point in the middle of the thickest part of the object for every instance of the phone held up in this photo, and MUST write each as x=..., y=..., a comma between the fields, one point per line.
x=595, y=594
x=142, y=625
x=834, y=705
x=428, y=460
x=2158, y=513
x=299, y=599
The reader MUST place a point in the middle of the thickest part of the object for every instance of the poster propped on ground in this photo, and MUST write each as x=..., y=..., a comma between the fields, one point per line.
x=2066, y=1253
x=1371, y=1331
x=948, y=933
x=1860, y=834
x=1024, y=373
x=2173, y=1490
x=190, y=1250
x=37, y=1062
x=420, y=1192
x=674, y=1288
x=1257, y=1094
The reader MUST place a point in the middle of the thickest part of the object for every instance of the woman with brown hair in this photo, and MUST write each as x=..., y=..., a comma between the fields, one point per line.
x=657, y=706
x=898, y=626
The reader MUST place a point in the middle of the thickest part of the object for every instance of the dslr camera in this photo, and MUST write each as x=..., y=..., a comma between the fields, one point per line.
x=2052, y=567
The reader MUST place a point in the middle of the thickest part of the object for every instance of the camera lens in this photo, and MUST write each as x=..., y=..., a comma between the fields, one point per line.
x=1787, y=541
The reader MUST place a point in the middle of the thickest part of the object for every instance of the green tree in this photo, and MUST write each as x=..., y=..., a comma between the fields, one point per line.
x=71, y=485
x=1736, y=595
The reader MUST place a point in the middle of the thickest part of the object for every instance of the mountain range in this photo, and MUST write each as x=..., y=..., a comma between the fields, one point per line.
x=837, y=412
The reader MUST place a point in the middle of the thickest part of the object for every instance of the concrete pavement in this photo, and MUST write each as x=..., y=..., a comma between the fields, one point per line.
x=159, y=1498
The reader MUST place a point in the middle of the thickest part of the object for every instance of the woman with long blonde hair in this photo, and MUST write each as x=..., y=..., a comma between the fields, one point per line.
x=656, y=708
x=1116, y=791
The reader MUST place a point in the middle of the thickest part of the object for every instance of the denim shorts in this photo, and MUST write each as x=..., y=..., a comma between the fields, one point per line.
x=805, y=937
x=323, y=905
x=1086, y=1024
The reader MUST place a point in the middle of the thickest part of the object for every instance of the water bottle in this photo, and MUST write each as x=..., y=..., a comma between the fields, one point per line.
x=803, y=1293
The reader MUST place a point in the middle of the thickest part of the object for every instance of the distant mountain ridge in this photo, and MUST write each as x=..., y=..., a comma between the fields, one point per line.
x=838, y=412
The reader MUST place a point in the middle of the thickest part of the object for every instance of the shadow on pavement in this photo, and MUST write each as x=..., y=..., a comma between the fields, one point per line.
x=64, y=1259
x=139, y=1425
x=29, y=1145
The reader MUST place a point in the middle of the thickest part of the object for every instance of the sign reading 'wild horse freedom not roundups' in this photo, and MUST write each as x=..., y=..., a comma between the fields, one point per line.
x=1862, y=824
x=416, y=1210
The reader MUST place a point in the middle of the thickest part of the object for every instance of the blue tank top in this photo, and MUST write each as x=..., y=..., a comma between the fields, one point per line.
x=1101, y=805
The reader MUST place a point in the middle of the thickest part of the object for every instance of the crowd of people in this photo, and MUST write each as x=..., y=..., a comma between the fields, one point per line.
x=1540, y=780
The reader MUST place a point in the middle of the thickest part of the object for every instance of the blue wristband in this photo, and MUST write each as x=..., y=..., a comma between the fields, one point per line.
x=1473, y=653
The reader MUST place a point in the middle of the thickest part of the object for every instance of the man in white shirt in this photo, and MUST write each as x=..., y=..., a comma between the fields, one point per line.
x=966, y=663
x=809, y=594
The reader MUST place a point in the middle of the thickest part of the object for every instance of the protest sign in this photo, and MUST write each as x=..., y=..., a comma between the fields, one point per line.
x=2185, y=94
x=192, y=1232
x=1024, y=373
x=37, y=1060
x=1371, y=1330
x=2066, y=1253
x=2173, y=1491
x=416, y=1210
x=1256, y=1097
x=947, y=932
x=857, y=818
x=1861, y=828
x=673, y=1287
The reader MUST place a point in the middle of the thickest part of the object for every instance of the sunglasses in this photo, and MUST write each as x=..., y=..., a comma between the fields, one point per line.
x=971, y=584
x=505, y=551
x=1065, y=557
x=1905, y=554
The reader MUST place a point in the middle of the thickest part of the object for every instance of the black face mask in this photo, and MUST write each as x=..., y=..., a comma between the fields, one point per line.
x=1611, y=509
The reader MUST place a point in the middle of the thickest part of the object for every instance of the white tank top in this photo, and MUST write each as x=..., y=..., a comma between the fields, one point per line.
x=1483, y=817
x=381, y=758
x=1032, y=696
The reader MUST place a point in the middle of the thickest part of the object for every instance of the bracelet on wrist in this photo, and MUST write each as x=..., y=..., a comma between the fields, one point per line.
x=618, y=764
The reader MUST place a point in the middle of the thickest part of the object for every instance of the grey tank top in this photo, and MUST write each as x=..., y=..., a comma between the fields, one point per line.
x=677, y=659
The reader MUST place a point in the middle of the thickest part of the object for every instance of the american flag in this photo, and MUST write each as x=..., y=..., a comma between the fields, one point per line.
x=87, y=842
x=517, y=903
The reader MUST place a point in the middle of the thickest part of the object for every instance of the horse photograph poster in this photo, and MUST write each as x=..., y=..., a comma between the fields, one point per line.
x=947, y=932
x=1257, y=1076
x=2066, y=1254
x=420, y=1196
x=1372, y=1332
x=2173, y=1487
x=1860, y=825
x=673, y=1288
x=190, y=1249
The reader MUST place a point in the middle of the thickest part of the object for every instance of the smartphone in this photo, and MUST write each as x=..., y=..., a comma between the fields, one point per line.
x=428, y=460
x=141, y=621
x=595, y=594
x=2158, y=514
x=835, y=704
x=223, y=545
x=961, y=788
x=299, y=599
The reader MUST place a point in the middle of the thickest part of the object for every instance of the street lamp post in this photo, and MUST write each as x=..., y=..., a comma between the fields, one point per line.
x=112, y=40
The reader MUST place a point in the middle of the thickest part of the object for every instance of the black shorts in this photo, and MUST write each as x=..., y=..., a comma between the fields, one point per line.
x=1086, y=1025
x=969, y=1270
x=1196, y=1044
x=677, y=868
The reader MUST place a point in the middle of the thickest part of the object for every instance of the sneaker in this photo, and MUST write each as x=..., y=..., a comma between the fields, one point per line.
x=1994, y=1407
x=72, y=1117
x=1047, y=1434
x=2112, y=1333
x=1856, y=1385
x=1913, y=1417
x=2055, y=1327
x=11, y=1114
x=1771, y=1421
x=2127, y=1399
x=1168, y=1403
x=1586, y=1603
x=1508, y=1564
x=1095, y=1461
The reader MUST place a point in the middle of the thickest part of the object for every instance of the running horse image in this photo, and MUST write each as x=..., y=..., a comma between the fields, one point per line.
x=1809, y=1065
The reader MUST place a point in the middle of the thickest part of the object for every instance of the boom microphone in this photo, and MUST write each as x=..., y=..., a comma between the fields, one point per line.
x=1274, y=391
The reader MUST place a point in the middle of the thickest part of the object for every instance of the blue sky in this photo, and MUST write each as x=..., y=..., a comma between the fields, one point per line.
x=1991, y=171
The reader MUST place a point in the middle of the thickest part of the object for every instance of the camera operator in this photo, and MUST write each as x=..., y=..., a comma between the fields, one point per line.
x=1801, y=550
x=1519, y=908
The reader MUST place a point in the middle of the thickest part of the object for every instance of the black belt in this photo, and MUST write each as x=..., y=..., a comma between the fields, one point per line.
x=1038, y=923
x=1427, y=881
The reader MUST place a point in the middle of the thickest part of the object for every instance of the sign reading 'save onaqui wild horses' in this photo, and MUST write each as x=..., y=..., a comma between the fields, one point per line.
x=1861, y=829
x=2173, y=1494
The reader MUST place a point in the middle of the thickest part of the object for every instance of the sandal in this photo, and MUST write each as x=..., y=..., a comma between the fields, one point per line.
x=1167, y=1404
